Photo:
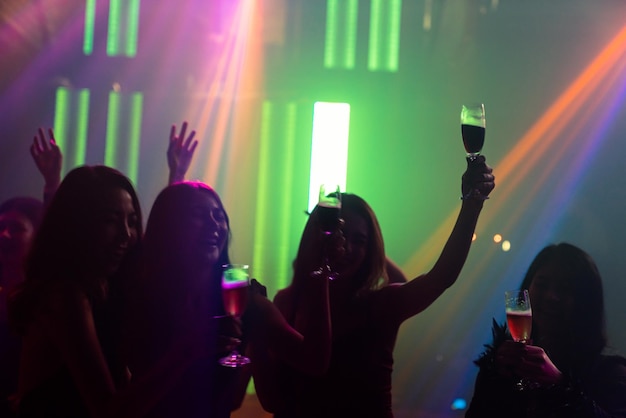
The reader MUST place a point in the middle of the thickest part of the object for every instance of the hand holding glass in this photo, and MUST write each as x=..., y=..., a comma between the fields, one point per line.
x=235, y=286
x=519, y=318
x=329, y=216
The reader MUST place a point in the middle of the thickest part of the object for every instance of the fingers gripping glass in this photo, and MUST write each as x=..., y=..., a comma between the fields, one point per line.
x=329, y=217
x=235, y=285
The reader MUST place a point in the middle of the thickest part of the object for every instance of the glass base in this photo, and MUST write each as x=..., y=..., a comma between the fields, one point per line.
x=234, y=360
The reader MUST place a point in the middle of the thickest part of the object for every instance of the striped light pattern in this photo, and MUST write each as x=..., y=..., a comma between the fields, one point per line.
x=123, y=28
x=341, y=34
x=123, y=133
x=384, y=40
x=329, y=147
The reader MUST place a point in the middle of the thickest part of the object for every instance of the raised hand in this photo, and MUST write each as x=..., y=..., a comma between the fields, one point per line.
x=48, y=159
x=180, y=152
x=478, y=180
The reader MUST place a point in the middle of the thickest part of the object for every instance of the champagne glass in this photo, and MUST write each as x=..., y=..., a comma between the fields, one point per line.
x=473, y=132
x=519, y=318
x=235, y=286
x=329, y=208
x=329, y=216
x=473, y=128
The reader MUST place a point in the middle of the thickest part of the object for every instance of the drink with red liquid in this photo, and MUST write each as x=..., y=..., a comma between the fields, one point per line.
x=235, y=284
x=520, y=325
x=235, y=297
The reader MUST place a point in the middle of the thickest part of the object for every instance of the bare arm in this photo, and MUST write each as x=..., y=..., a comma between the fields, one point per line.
x=402, y=302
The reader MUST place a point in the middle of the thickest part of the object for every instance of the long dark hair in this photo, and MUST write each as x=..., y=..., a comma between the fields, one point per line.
x=588, y=316
x=162, y=289
x=161, y=261
x=371, y=275
x=61, y=251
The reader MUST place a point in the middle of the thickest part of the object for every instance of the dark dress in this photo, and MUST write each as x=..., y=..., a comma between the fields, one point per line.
x=358, y=382
x=58, y=397
x=596, y=391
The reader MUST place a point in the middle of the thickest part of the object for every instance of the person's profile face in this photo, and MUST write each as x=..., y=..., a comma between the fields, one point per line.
x=116, y=230
x=552, y=297
x=357, y=238
x=205, y=230
x=16, y=235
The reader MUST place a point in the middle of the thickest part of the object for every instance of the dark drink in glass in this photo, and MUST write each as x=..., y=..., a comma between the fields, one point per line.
x=473, y=138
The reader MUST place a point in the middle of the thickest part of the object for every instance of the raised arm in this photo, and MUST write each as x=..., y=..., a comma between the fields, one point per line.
x=49, y=161
x=180, y=153
x=402, y=302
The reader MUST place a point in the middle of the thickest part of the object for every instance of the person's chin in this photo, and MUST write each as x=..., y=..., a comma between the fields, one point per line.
x=211, y=254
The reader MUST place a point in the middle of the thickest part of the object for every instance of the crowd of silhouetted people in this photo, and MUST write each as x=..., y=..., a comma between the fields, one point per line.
x=105, y=315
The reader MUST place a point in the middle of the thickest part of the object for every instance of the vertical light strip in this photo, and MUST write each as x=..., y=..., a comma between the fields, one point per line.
x=373, y=60
x=82, y=126
x=134, y=144
x=329, y=147
x=384, y=39
x=132, y=28
x=263, y=192
x=330, y=47
x=90, y=23
x=283, y=227
x=61, y=116
x=341, y=34
x=351, y=30
x=113, y=36
x=110, y=148
x=393, y=46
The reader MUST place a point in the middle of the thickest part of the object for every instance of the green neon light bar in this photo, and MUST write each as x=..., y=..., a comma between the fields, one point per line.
x=132, y=26
x=90, y=22
x=283, y=225
x=329, y=147
x=351, y=28
x=264, y=194
x=136, y=108
x=82, y=126
x=61, y=116
x=341, y=31
x=330, y=47
x=113, y=38
x=110, y=149
x=384, y=40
